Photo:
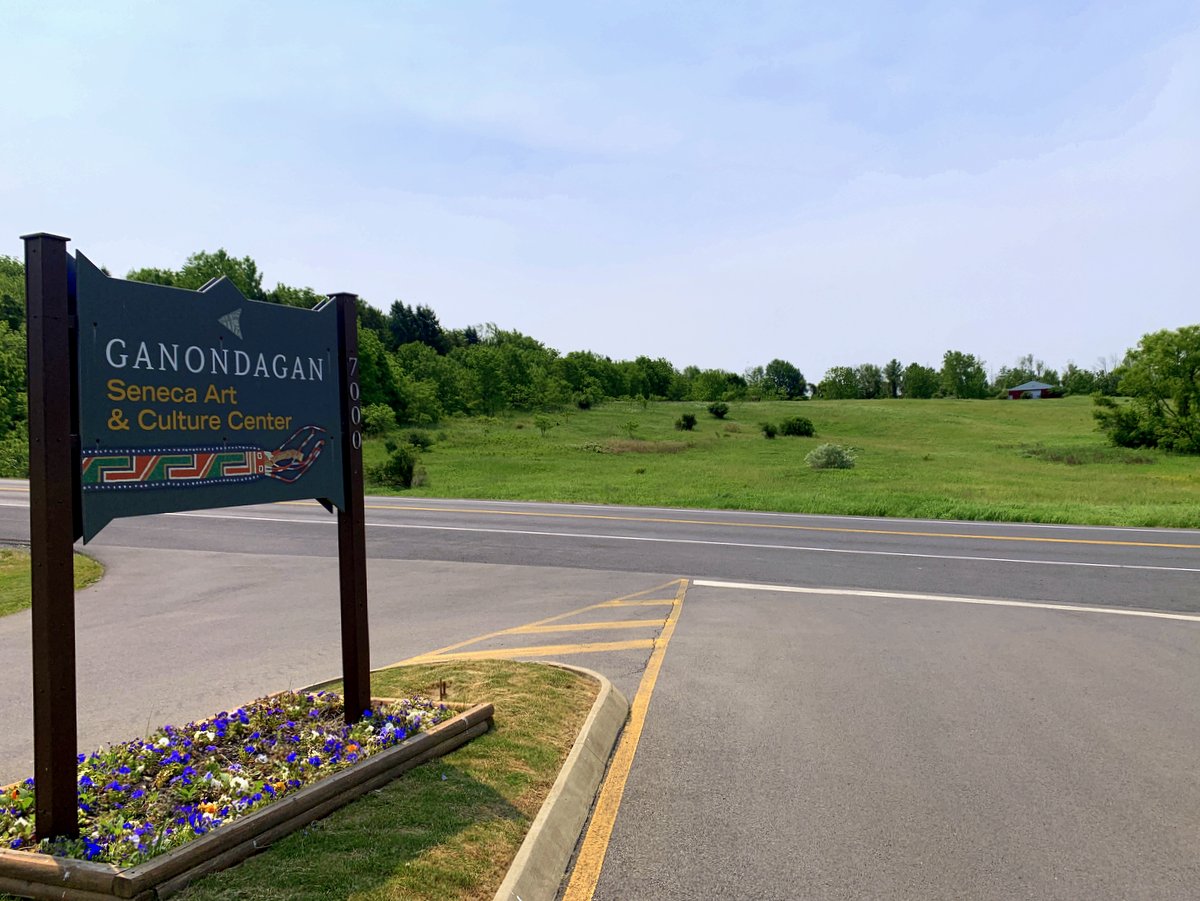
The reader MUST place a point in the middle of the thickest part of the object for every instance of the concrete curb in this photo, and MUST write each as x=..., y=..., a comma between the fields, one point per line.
x=542, y=860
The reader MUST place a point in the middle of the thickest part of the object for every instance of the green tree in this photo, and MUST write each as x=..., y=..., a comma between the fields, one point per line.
x=12, y=292
x=1162, y=375
x=963, y=375
x=840, y=383
x=893, y=376
x=919, y=381
x=787, y=380
x=153, y=276
x=204, y=266
x=870, y=381
x=376, y=378
x=1078, y=381
x=301, y=298
x=408, y=324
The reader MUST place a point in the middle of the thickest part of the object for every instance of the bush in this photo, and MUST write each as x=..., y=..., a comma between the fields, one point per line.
x=397, y=472
x=686, y=422
x=378, y=419
x=769, y=430
x=797, y=426
x=718, y=409
x=830, y=456
x=419, y=439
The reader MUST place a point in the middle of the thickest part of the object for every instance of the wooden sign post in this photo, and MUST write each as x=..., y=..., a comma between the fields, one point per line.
x=53, y=508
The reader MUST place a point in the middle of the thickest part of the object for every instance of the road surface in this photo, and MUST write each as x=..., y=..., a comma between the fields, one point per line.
x=846, y=707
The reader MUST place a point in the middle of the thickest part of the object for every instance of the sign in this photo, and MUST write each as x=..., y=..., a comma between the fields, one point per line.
x=197, y=399
x=149, y=399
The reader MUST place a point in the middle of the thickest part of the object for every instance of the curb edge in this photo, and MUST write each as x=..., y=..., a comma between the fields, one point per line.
x=542, y=860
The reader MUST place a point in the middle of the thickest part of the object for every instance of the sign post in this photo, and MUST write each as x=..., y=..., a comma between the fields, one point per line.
x=152, y=399
x=352, y=533
x=53, y=481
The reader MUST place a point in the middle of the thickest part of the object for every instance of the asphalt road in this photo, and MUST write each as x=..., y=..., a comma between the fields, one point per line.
x=848, y=708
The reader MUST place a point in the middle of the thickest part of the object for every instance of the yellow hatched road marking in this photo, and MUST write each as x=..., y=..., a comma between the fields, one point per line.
x=669, y=603
x=588, y=864
x=586, y=627
x=425, y=658
x=545, y=650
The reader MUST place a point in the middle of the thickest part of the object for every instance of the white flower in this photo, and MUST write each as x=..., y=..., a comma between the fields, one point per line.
x=240, y=783
x=163, y=742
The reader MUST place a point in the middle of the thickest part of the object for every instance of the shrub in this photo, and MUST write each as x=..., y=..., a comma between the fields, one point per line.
x=397, y=471
x=718, y=409
x=686, y=422
x=419, y=439
x=378, y=419
x=769, y=430
x=544, y=423
x=797, y=426
x=830, y=456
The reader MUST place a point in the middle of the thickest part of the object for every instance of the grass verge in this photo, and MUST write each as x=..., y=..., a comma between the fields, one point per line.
x=14, y=578
x=447, y=830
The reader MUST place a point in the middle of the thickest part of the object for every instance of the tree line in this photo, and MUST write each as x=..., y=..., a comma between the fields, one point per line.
x=422, y=371
x=960, y=375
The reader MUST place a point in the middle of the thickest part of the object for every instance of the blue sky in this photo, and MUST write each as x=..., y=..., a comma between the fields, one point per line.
x=717, y=183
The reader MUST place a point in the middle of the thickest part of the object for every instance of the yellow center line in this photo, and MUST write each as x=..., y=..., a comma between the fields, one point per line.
x=545, y=650
x=844, y=530
x=587, y=627
x=588, y=864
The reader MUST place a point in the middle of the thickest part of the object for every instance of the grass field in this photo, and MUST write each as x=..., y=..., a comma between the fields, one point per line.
x=1030, y=461
x=14, y=578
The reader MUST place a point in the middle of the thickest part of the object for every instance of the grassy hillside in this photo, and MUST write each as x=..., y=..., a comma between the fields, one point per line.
x=998, y=460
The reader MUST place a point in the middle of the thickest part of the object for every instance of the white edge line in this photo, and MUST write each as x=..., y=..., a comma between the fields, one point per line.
x=949, y=599
x=697, y=541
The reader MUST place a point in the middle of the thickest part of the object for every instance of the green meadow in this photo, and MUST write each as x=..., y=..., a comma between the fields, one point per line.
x=1023, y=461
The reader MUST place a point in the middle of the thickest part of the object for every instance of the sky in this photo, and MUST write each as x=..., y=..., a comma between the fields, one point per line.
x=720, y=184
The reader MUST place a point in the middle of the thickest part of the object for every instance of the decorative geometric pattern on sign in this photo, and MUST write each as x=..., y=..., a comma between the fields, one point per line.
x=104, y=469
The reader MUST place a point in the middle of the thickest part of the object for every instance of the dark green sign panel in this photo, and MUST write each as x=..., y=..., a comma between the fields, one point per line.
x=198, y=399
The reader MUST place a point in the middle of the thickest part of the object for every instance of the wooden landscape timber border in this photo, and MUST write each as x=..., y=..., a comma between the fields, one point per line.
x=43, y=876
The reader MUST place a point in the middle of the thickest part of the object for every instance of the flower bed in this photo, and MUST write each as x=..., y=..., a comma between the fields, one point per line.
x=142, y=798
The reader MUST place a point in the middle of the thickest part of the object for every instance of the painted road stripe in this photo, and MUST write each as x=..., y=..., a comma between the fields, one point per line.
x=586, y=627
x=705, y=543
x=432, y=655
x=789, y=526
x=590, y=860
x=545, y=650
x=638, y=603
x=943, y=598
